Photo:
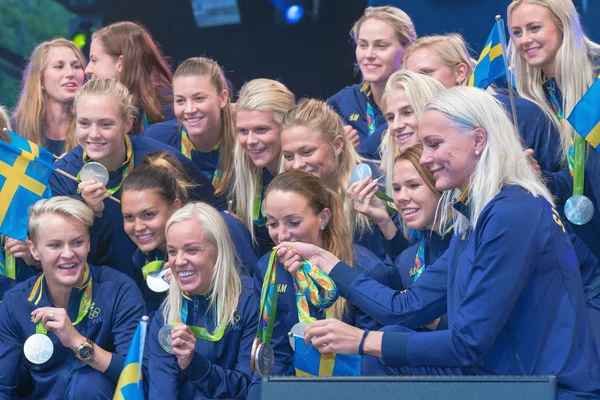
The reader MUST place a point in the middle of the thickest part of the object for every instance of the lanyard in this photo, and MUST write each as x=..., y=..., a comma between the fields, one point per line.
x=144, y=122
x=309, y=282
x=420, y=264
x=129, y=164
x=84, y=302
x=366, y=89
x=257, y=214
x=187, y=147
x=199, y=331
x=268, y=302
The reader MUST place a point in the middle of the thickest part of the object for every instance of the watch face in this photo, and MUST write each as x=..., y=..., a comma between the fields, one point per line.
x=85, y=353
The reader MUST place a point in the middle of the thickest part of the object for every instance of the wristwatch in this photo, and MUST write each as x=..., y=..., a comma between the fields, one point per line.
x=86, y=351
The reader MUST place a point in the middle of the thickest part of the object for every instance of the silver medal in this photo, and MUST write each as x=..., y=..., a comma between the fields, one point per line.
x=38, y=348
x=297, y=330
x=264, y=359
x=156, y=283
x=94, y=171
x=164, y=338
x=579, y=210
x=361, y=172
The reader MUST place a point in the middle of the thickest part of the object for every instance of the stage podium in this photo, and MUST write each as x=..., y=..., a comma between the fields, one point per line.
x=413, y=388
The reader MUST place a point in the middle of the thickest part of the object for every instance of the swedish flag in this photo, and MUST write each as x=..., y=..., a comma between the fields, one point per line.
x=25, y=169
x=490, y=65
x=585, y=117
x=130, y=385
x=309, y=362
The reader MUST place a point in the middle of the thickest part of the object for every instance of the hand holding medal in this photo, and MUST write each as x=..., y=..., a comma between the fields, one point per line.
x=183, y=343
x=362, y=172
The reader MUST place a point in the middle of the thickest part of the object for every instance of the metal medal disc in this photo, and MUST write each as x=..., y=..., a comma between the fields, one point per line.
x=255, y=344
x=360, y=172
x=263, y=210
x=164, y=338
x=264, y=359
x=579, y=210
x=297, y=330
x=156, y=283
x=38, y=348
x=94, y=171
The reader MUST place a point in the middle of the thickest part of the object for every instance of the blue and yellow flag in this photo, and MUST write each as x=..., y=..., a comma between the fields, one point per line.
x=309, y=362
x=490, y=65
x=130, y=385
x=585, y=117
x=25, y=169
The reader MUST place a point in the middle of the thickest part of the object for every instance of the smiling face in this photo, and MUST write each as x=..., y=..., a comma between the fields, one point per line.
x=536, y=35
x=197, y=105
x=415, y=200
x=61, y=245
x=63, y=75
x=258, y=134
x=291, y=219
x=402, y=120
x=378, y=51
x=426, y=61
x=447, y=151
x=192, y=256
x=102, y=64
x=145, y=216
x=304, y=149
x=100, y=130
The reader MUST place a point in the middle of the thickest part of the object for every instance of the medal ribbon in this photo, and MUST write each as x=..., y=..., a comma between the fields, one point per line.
x=84, y=303
x=259, y=219
x=128, y=166
x=370, y=113
x=187, y=147
x=268, y=302
x=144, y=122
x=308, y=282
x=151, y=267
x=420, y=265
x=9, y=268
x=199, y=331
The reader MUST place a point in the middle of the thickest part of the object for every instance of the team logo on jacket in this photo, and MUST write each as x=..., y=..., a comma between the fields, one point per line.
x=281, y=287
x=354, y=117
x=237, y=319
x=94, y=314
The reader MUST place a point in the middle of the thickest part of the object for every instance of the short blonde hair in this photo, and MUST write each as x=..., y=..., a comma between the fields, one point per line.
x=113, y=89
x=403, y=27
x=61, y=205
x=226, y=284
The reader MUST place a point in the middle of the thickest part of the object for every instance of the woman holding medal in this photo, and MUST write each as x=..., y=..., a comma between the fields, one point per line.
x=555, y=64
x=104, y=113
x=510, y=260
x=299, y=207
x=126, y=51
x=150, y=195
x=74, y=322
x=380, y=36
x=204, y=130
x=259, y=112
x=199, y=346
x=313, y=140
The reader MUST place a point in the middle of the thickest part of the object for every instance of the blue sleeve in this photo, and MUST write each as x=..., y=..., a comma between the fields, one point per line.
x=243, y=244
x=588, y=265
x=163, y=370
x=216, y=382
x=129, y=309
x=369, y=148
x=334, y=103
x=420, y=304
x=11, y=350
x=560, y=184
x=375, y=269
x=164, y=132
x=497, y=278
x=396, y=245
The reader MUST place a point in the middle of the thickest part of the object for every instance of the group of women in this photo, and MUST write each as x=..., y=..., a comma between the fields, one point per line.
x=236, y=225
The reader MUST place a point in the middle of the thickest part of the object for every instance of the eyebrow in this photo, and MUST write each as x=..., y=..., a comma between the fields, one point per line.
x=193, y=94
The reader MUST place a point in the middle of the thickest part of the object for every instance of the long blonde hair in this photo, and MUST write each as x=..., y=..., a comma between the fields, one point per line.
x=256, y=95
x=321, y=118
x=202, y=66
x=502, y=161
x=31, y=109
x=419, y=90
x=226, y=285
x=574, y=68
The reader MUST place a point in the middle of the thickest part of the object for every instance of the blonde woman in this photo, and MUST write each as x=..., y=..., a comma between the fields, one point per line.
x=53, y=76
x=68, y=329
x=211, y=312
x=259, y=112
x=313, y=140
x=381, y=35
x=555, y=63
x=513, y=298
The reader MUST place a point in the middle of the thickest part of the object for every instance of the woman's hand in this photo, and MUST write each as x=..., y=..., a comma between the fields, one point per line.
x=291, y=254
x=333, y=336
x=57, y=320
x=93, y=194
x=20, y=250
x=184, y=345
x=533, y=162
x=365, y=201
x=352, y=136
